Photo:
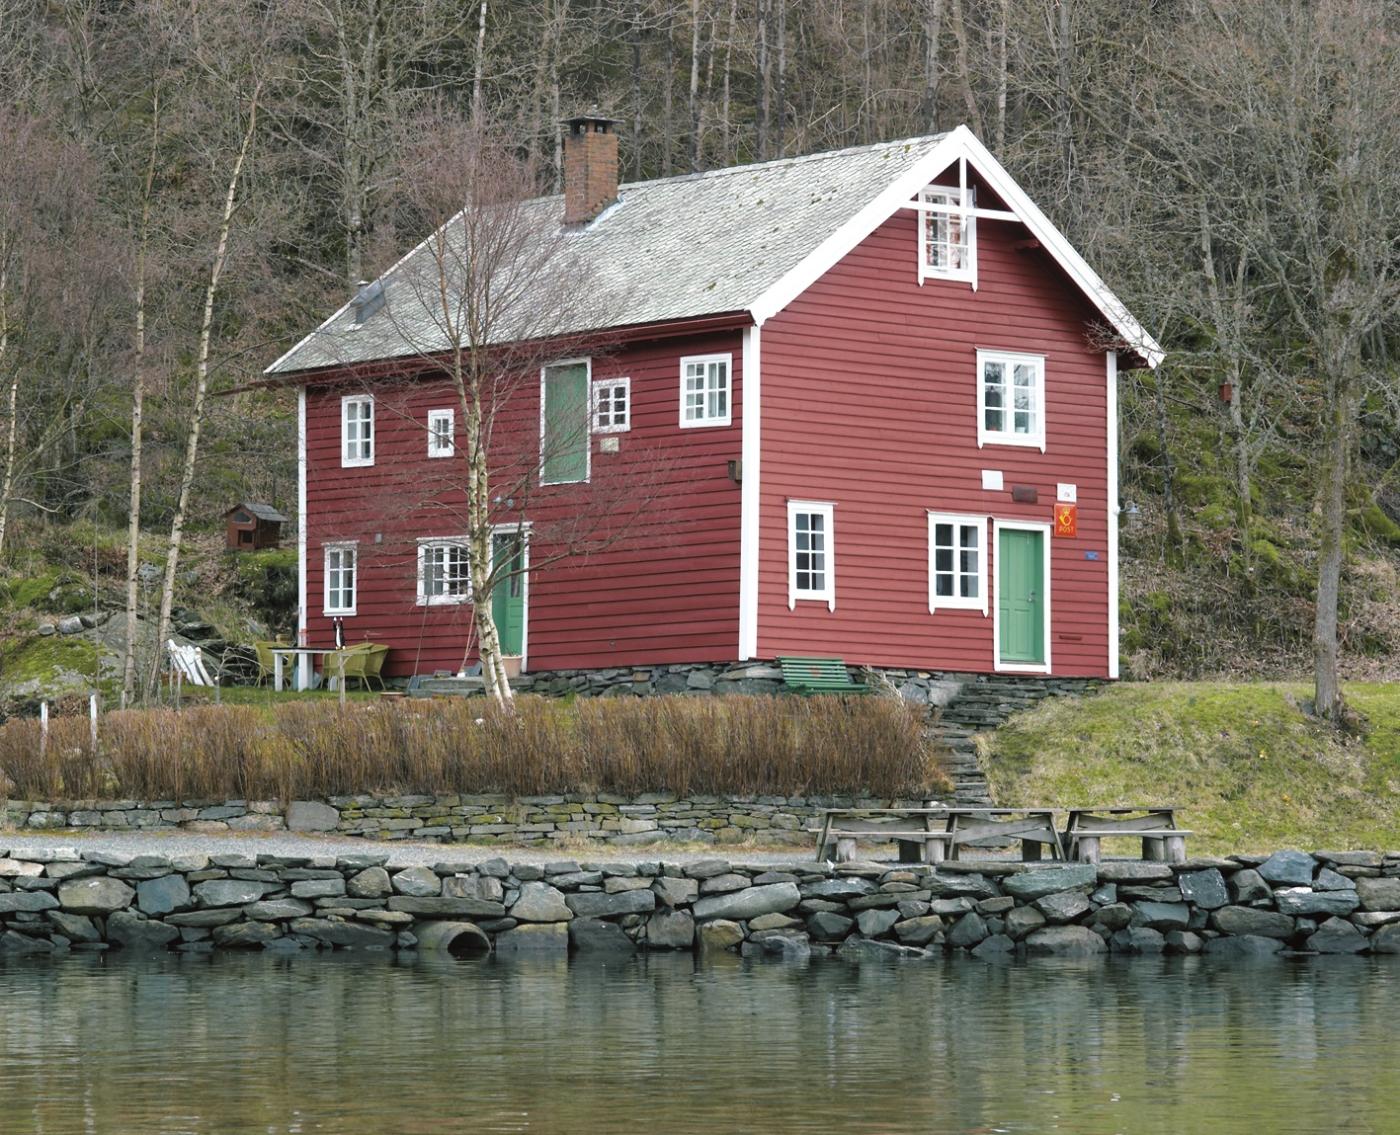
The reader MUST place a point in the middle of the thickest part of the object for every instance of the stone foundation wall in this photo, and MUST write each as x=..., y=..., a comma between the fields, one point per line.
x=60, y=900
x=600, y=818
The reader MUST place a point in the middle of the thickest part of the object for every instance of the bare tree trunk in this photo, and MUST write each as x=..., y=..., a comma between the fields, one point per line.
x=637, y=90
x=479, y=65
x=668, y=132
x=761, y=115
x=933, y=25
x=201, y=390
x=1003, y=18
x=974, y=116
x=695, y=17
x=867, y=78
x=1331, y=554
x=138, y=397
x=780, y=109
x=12, y=413
x=1064, y=57
x=728, y=155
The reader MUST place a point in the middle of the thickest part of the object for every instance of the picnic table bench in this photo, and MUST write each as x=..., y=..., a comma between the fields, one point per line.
x=819, y=676
x=1155, y=825
x=923, y=838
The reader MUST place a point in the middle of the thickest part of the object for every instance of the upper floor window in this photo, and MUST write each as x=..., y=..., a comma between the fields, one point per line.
x=811, y=553
x=440, y=433
x=1010, y=399
x=612, y=405
x=564, y=423
x=947, y=234
x=705, y=390
x=957, y=563
x=341, y=572
x=442, y=572
x=356, y=430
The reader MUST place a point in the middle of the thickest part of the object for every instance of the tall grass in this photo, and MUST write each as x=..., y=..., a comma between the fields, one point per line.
x=728, y=746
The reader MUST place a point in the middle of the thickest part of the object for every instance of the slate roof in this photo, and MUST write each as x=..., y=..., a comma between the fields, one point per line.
x=261, y=511
x=674, y=248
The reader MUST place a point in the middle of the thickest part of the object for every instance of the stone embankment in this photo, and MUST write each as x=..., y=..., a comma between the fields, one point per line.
x=601, y=817
x=1332, y=902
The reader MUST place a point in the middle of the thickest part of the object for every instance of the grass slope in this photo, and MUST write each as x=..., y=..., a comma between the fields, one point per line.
x=1250, y=770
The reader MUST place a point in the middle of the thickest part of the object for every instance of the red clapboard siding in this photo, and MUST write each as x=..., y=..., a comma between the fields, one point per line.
x=667, y=592
x=869, y=401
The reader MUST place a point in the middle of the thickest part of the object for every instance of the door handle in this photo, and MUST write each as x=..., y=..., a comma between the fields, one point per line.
x=1031, y=597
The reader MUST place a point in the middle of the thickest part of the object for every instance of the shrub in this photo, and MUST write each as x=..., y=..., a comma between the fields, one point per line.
x=306, y=749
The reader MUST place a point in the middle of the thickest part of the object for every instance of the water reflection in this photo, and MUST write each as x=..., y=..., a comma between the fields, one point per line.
x=249, y=1043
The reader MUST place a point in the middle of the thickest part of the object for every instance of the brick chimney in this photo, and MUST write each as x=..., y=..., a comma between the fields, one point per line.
x=590, y=166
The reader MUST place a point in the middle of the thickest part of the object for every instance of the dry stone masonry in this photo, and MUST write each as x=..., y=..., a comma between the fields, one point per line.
x=598, y=817
x=61, y=900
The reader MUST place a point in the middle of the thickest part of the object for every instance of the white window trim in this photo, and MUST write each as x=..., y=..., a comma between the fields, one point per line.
x=435, y=450
x=1021, y=667
x=345, y=403
x=598, y=386
x=1010, y=359
x=353, y=547
x=727, y=358
x=938, y=602
x=426, y=600
x=588, y=447
x=958, y=201
x=828, y=594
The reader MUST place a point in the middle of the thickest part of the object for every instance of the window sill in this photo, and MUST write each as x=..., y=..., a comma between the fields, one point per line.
x=1023, y=441
x=444, y=601
x=337, y=612
x=707, y=423
x=356, y=462
x=441, y=453
x=978, y=608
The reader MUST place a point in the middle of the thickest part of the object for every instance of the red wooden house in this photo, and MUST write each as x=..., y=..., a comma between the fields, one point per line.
x=885, y=386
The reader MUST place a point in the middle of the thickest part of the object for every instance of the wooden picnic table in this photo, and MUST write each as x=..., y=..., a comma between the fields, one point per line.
x=932, y=842
x=1154, y=824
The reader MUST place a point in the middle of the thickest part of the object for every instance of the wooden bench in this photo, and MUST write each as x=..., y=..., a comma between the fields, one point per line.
x=923, y=844
x=819, y=676
x=1034, y=827
x=1161, y=839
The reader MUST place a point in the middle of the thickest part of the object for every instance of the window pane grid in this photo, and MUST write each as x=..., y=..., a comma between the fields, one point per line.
x=706, y=391
x=946, y=244
x=357, y=429
x=611, y=409
x=340, y=579
x=444, y=576
x=956, y=562
x=809, y=542
x=1012, y=390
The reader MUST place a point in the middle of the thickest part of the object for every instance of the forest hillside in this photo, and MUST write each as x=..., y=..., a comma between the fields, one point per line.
x=190, y=187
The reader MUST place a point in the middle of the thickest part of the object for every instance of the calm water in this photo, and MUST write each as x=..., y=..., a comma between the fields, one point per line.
x=247, y=1043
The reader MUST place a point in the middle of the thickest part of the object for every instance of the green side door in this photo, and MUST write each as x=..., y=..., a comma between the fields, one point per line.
x=1021, y=596
x=508, y=594
x=564, y=436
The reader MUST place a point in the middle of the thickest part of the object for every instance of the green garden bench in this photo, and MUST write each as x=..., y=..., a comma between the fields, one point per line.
x=819, y=676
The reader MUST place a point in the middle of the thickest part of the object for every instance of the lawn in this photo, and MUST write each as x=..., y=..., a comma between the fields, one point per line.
x=1250, y=770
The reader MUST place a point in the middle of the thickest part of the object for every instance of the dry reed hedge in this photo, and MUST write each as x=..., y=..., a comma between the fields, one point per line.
x=733, y=745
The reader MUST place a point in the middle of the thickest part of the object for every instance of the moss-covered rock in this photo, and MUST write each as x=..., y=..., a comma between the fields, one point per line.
x=47, y=667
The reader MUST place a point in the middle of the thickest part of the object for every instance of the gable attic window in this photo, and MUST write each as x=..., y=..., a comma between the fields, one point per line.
x=356, y=430
x=564, y=422
x=947, y=234
x=440, y=433
x=705, y=390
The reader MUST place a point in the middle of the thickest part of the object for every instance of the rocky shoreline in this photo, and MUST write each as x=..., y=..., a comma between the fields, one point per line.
x=60, y=899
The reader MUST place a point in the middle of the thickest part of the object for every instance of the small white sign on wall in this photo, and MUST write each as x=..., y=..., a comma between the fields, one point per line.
x=991, y=479
x=1066, y=494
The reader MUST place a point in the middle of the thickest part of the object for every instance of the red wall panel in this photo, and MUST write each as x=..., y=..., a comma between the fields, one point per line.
x=869, y=395
x=665, y=591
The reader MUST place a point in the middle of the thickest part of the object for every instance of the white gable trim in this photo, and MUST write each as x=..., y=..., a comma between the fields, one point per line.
x=960, y=144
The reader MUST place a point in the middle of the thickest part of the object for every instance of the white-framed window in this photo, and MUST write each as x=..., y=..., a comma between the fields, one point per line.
x=957, y=562
x=441, y=433
x=705, y=390
x=1010, y=399
x=811, y=552
x=612, y=406
x=947, y=234
x=342, y=577
x=356, y=430
x=442, y=572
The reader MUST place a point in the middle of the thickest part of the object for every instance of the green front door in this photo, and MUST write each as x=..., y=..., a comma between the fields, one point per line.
x=1021, y=596
x=508, y=594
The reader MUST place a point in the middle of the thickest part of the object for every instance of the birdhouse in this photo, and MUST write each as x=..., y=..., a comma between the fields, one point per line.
x=250, y=527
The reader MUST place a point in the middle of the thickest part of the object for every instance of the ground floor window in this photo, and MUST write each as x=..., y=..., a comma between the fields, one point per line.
x=340, y=569
x=957, y=562
x=442, y=572
x=811, y=552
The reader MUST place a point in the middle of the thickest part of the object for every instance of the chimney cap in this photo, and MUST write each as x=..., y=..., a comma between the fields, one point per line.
x=595, y=120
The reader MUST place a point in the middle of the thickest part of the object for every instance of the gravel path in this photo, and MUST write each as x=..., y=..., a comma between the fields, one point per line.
x=401, y=853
